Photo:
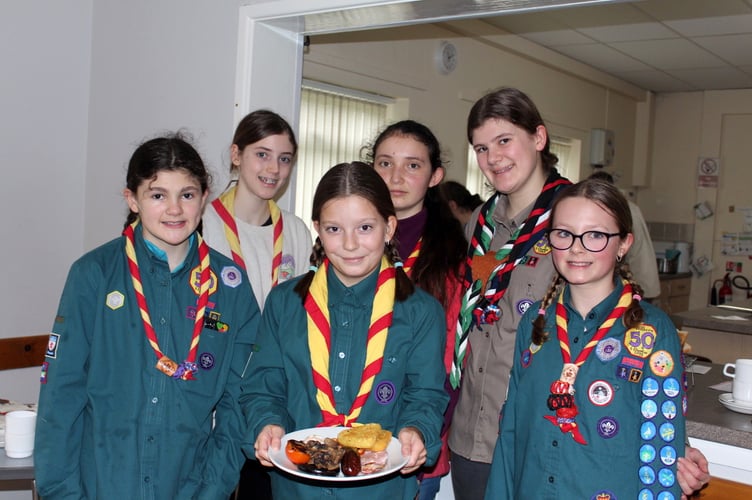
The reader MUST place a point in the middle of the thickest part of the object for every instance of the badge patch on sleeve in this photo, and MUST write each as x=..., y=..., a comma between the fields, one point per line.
x=43, y=375
x=52, y=344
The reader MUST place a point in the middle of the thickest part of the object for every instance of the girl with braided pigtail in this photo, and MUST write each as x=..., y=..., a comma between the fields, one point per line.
x=350, y=342
x=606, y=395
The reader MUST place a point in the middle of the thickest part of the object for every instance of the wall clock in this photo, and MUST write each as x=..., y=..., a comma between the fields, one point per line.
x=446, y=58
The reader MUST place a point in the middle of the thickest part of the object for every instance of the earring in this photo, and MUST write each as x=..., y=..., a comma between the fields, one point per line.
x=618, y=258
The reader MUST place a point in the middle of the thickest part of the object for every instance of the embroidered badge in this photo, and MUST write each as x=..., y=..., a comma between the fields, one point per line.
x=666, y=478
x=286, y=268
x=648, y=408
x=43, y=375
x=531, y=261
x=667, y=432
x=640, y=341
x=115, y=300
x=608, y=427
x=668, y=409
x=526, y=357
x=661, y=363
x=628, y=373
x=635, y=375
x=534, y=347
x=607, y=349
x=384, y=392
x=231, y=276
x=650, y=387
x=668, y=455
x=647, y=475
x=206, y=360
x=600, y=393
x=52, y=344
x=647, y=453
x=648, y=431
x=211, y=321
x=685, y=405
x=523, y=305
x=634, y=363
x=194, y=278
x=542, y=247
x=603, y=495
x=671, y=387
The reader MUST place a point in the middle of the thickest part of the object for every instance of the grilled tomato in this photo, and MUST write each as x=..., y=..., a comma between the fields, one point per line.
x=296, y=452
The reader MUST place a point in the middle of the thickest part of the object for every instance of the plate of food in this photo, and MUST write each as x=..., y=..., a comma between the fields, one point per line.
x=339, y=453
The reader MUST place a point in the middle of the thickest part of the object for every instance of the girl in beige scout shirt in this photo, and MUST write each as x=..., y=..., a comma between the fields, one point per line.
x=507, y=243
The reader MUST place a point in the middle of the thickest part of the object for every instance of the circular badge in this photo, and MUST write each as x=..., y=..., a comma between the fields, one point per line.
x=666, y=478
x=685, y=405
x=671, y=387
x=608, y=427
x=650, y=387
x=661, y=363
x=607, y=349
x=647, y=475
x=645, y=494
x=647, y=431
x=604, y=495
x=667, y=432
x=523, y=305
x=385, y=392
x=668, y=409
x=640, y=341
x=665, y=495
x=648, y=408
x=647, y=453
x=206, y=360
x=668, y=455
x=600, y=393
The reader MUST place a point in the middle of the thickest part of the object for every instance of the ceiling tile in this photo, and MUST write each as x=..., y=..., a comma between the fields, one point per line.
x=629, y=32
x=656, y=81
x=557, y=38
x=673, y=54
x=735, y=49
x=602, y=57
x=714, y=78
x=705, y=26
x=664, y=10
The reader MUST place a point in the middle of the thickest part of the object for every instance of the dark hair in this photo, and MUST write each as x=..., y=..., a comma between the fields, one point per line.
x=456, y=192
x=516, y=107
x=602, y=175
x=354, y=179
x=444, y=245
x=259, y=125
x=170, y=152
x=609, y=198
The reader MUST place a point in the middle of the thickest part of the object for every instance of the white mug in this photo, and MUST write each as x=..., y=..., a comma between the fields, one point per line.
x=742, y=375
x=19, y=433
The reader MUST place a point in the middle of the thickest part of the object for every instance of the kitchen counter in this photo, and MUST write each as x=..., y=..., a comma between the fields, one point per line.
x=673, y=276
x=708, y=419
x=711, y=318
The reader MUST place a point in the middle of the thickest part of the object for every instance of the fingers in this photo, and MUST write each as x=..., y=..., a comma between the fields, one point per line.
x=270, y=438
x=413, y=448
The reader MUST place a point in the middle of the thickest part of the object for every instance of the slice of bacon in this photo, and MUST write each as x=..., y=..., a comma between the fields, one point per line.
x=373, y=461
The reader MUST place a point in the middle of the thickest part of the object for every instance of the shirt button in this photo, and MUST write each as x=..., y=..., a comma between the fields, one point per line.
x=345, y=323
x=154, y=400
x=337, y=388
x=342, y=355
x=488, y=334
x=555, y=443
x=591, y=315
x=150, y=439
x=550, y=479
x=147, y=479
x=162, y=321
x=576, y=339
x=480, y=370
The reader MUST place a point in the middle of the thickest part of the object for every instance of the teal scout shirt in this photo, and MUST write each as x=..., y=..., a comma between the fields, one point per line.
x=409, y=390
x=110, y=424
x=630, y=394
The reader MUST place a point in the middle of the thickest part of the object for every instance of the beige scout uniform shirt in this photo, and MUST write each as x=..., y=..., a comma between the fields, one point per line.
x=475, y=424
x=641, y=256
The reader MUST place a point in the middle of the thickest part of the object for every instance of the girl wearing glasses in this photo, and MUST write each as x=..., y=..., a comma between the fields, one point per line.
x=597, y=380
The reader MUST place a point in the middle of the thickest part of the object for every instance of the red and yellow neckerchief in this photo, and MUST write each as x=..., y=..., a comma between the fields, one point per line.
x=187, y=368
x=225, y=207
x=413, y=257
x=561, y=399
x=319, y=342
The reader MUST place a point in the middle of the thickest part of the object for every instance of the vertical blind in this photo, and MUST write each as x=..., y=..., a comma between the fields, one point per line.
x=334, y=127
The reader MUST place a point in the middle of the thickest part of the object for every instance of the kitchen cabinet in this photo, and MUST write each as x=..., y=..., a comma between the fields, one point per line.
x=675, y=290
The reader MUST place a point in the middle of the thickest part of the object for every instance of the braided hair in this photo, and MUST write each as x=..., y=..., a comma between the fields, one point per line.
x=609, y=198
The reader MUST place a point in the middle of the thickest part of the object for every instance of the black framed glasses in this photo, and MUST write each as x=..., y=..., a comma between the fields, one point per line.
x=592, y=241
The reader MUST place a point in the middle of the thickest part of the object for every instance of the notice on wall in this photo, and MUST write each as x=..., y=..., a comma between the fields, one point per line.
x=736, y=243
x=707, y=172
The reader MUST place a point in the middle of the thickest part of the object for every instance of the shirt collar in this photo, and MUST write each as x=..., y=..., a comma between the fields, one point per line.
x=600, y=312
x=161, y=255
x=362, y=292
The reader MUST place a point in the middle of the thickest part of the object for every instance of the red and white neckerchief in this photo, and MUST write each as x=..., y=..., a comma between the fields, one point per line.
x=225, y=207
x=413, y=257
x=187, y=368
x=561, y=399
x=320, y=341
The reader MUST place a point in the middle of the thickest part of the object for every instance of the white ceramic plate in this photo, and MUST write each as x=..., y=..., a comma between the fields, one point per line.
x=278, y=457
x=727, y=400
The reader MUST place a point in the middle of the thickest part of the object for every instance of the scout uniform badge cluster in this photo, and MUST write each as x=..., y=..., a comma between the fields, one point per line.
x=481, y=296
x=658, y=452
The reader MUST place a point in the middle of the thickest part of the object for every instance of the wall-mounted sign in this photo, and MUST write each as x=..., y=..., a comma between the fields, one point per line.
x=707, y=172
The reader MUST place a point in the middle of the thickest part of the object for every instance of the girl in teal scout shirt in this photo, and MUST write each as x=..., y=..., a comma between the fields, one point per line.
x=596, y=399
x=140, y=383
x=355, y=284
